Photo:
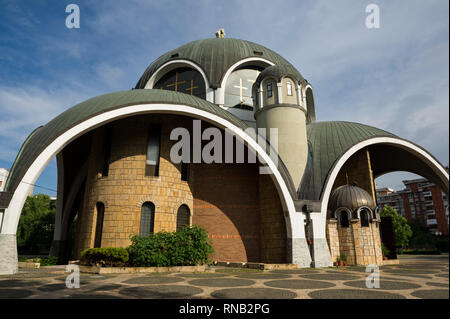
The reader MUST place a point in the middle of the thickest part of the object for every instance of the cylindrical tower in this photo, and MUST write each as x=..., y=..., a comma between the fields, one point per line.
x=279, y=103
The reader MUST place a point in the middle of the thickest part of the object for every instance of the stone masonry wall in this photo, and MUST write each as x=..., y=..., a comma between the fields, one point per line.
x=126, y=187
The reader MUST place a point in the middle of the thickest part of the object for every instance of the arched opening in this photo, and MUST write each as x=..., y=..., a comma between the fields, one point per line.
x=183, y=217
x=183, y=79
x=343, y=218
x=147, y=224
x=310, y=106
x=238, y=88
x=364, y=216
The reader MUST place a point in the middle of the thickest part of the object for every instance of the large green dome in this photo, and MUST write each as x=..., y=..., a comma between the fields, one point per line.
x=215, y=56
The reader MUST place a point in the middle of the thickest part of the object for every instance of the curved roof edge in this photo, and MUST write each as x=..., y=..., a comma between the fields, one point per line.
x=328, y=141
x=44, y=135
x=278, y=72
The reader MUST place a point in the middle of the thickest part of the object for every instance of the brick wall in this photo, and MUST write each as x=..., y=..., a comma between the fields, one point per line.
x=223, y=198
x=273, y=225
x=126, y=187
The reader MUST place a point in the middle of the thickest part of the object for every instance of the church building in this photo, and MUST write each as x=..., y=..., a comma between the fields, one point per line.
x=302, y=196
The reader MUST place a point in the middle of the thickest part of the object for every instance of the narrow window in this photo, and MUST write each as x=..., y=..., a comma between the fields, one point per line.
x=269, y=90
x=100, y=207
x=153, y=146
x=183, y=217
x=364, y=218
x=107, y=150
x=147, y=219
x=343, y=219
x=289, y=88
x=184, y=171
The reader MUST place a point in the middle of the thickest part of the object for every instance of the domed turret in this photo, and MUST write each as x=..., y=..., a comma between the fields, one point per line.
x=351, y=197
x=278, y=103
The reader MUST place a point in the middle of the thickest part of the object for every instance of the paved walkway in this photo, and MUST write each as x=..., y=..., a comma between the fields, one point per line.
x=415, y=277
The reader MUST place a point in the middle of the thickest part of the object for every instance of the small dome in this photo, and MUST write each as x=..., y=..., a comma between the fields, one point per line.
x=351, y=197
x=278, y=72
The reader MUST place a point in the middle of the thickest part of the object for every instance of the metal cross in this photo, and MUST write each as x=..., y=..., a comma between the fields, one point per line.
x=176, y=82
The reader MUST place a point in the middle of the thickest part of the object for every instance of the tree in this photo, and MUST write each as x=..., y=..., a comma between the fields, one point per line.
x=421, y=238
x=36, y=224
x=402, y=230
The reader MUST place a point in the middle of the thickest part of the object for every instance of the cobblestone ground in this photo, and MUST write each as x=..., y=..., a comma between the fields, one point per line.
x=415, y=277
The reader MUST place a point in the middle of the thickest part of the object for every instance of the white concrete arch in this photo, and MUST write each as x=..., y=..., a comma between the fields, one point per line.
x=294, y=221
x=408, y=146
x=173, y=64
x=220, y=92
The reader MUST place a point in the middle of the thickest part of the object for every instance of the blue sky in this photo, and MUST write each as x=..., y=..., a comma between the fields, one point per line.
x=395, y=77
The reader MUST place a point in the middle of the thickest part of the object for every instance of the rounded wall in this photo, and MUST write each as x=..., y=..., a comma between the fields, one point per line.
x=127, y=188
x=292, y=140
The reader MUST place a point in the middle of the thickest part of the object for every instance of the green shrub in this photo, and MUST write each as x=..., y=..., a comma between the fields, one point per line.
x=187, y=247
x=48, y=261
x=109, y=256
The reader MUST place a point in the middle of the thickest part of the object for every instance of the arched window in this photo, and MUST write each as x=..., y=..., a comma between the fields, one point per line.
x=183, y=217
x=310, y=107
x=153, y=146
x=147, y=219
x=364, y=215
x=343, y=219
x=185, y=80
x=100, y=207
x=238, y=89
x=289, y=88
x=269, y=89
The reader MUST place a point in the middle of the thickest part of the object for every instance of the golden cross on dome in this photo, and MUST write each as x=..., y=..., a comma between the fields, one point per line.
x=191, y=89
x=176, y=82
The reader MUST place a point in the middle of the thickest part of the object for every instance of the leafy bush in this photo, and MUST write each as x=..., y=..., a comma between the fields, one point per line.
x=402, y=230
x=48, y=261
x=187, y=247
x=109, y=256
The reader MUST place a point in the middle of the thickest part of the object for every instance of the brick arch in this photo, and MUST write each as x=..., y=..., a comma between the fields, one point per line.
x=147, y=198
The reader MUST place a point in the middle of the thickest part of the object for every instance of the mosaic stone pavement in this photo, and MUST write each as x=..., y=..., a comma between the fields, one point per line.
x=416, y=277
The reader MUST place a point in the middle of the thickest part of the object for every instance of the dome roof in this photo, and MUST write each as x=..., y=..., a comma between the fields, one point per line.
x=278, y=72
x=351, y=197
x=215, y=56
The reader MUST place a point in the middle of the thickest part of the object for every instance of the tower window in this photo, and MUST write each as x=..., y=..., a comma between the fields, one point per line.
x=183, y=216
x=289, y=88
x=364, y=218
x=153, y=146
x=147, y=219
x=343, y=219
x=269, y=90
x=100, y=207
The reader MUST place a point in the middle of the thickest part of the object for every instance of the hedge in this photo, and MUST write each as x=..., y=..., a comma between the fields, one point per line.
x=186, y=247
x=109, y=256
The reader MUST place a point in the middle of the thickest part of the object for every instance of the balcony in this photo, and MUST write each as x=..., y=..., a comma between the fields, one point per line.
x=431, y=222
